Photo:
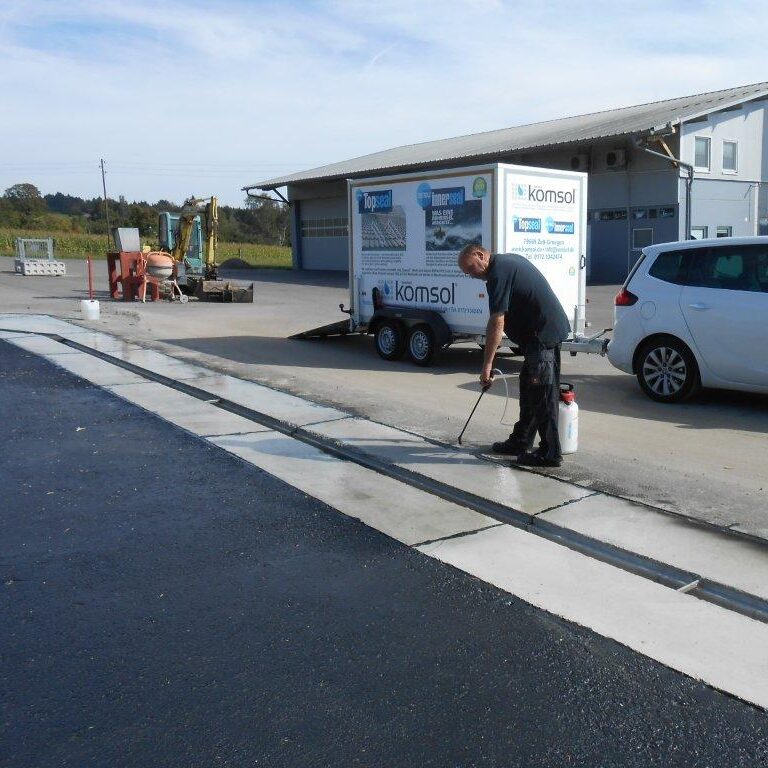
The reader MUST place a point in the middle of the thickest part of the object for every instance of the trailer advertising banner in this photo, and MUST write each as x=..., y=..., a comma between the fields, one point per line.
x=542, y=219
x=406, y=235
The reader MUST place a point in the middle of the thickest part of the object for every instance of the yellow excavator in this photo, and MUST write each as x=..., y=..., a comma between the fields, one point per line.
x=191, y=237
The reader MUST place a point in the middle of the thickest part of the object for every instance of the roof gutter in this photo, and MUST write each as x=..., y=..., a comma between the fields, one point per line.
x=658, y=136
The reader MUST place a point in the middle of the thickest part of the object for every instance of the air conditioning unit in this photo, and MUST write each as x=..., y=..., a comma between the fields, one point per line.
x=616, y=158
x=580, y=163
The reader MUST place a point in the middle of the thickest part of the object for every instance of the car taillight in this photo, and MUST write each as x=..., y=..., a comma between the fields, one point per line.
x=625, y=298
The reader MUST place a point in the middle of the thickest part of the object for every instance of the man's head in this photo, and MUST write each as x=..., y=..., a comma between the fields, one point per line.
x=474, y=261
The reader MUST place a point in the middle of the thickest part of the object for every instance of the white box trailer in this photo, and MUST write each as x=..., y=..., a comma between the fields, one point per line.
x=406, y=231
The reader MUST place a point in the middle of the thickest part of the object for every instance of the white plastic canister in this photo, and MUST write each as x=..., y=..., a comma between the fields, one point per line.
x=568, y=420
x=90, y=309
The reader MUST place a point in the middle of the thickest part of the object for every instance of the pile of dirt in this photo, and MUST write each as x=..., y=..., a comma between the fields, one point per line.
x=236, y=263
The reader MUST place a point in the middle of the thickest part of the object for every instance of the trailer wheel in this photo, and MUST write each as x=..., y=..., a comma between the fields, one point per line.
x=390, y=339
x=421, y=344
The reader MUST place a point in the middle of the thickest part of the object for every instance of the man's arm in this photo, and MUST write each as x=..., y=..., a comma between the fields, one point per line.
x=493, y=333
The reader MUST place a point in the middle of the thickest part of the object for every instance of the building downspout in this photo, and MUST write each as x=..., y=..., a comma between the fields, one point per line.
x=677, y=163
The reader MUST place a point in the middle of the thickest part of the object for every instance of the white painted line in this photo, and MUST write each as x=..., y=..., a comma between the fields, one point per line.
x=722, y=648
x=402, y=512
x=738, y=563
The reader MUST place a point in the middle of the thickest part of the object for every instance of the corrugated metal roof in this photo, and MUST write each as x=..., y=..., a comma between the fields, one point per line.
x=567, y=130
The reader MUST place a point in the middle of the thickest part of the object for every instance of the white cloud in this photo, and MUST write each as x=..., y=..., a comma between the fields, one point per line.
x=183, y=97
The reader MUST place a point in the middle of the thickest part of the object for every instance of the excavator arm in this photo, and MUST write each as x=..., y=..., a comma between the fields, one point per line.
x=191, y=208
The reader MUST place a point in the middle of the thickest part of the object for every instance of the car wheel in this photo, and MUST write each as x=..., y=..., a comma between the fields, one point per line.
x=390, y=340
x=421, y=344
x=666, y=370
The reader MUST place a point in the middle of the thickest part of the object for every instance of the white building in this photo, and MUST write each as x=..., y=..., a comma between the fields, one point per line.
x=635, y=198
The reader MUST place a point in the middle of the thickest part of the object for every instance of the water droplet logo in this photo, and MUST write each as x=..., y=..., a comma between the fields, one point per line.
x=550, y=224
x=424, y=195
x=387, y=289
x=359, y=195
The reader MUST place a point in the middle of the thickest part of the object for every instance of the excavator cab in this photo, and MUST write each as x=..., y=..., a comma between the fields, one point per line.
x=194, y=259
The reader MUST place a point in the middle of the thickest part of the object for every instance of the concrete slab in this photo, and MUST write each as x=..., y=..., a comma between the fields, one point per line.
x=93, y=369
x=196, y=416
x=103, y=342
x=161, y=364
x=280, y=405
x=708, y=643
x=38, y=324
x=404, y=513
x=42, y=345
x=714, y=555
x=523, y=491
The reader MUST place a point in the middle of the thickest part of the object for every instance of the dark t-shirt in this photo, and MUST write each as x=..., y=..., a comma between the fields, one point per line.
x=531, y=309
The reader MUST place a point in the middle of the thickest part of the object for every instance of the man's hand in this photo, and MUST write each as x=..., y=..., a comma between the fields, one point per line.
x=486, y=377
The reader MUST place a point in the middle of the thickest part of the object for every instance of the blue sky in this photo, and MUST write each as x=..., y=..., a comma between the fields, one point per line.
x=184, y=97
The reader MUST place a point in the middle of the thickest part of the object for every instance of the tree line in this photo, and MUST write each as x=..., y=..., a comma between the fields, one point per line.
x=23, y=207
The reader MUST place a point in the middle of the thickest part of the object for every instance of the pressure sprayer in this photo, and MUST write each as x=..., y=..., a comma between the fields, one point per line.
x=568, y=419
x=568, y=413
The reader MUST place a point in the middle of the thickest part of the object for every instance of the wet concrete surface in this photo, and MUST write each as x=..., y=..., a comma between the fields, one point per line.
x=165, y=604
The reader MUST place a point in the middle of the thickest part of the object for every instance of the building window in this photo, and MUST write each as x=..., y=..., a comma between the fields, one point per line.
x=617, y=214
x=330, y=227
x=699, y=233
x=701, y=159
x=641, y=237
x=724, y=231
x=730, y=156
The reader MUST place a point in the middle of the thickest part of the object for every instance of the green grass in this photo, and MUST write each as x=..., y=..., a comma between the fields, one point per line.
x=72, y=245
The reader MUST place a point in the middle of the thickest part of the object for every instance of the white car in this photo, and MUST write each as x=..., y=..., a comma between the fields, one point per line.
x=692, y=314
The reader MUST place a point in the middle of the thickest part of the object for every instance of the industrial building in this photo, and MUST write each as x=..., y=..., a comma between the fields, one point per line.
x=637, y=196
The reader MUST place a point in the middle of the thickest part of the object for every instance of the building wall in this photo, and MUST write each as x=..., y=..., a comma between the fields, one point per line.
x=635, y=203
x=732, y=200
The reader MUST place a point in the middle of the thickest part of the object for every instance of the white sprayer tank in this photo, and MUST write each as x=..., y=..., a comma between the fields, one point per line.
x=568, y=420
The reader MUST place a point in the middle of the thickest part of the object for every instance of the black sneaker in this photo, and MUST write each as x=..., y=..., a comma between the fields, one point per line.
x=509, y=447
x=535, y=459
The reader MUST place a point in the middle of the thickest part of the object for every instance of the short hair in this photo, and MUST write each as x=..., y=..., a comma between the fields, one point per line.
x=470, y=249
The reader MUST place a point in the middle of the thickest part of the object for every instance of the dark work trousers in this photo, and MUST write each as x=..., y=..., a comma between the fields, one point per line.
x=539, y=399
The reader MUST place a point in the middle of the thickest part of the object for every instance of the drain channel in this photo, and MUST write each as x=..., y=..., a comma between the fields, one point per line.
x=675, y=578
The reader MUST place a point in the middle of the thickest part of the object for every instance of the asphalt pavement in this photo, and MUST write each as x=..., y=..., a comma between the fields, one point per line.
x=166, y=604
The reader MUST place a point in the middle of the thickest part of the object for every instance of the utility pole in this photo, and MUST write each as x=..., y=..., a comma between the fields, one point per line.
x=106, y=205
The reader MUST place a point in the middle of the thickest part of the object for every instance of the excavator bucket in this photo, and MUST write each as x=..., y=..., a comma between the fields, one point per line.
x=223, y=291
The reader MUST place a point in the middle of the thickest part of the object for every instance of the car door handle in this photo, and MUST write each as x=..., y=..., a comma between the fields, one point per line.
x=699, y=307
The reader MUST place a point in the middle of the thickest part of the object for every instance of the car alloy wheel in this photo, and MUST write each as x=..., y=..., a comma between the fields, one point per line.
x=667, y=370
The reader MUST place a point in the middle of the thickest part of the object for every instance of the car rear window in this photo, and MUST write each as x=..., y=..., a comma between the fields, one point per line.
x=669, y=266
